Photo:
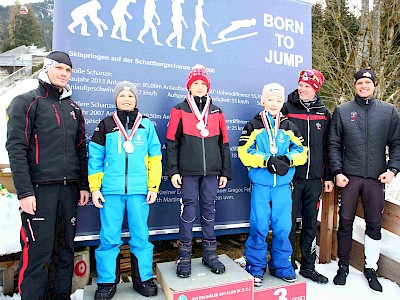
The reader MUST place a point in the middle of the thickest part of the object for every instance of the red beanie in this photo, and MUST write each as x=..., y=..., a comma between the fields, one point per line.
x=198, y=72
x=313, y=77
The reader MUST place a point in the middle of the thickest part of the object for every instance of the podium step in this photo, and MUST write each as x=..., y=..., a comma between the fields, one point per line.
x=235, y=283
x=276, y=288
x=125, y=291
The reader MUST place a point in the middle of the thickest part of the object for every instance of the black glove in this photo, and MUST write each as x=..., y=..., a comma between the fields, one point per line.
x=277, y=166
x=284, y=159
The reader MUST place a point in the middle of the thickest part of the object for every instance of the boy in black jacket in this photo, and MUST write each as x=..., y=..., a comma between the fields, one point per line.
x=198, y=162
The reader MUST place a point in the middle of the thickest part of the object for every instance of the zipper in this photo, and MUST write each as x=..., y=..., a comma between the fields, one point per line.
x=366, y=143
x=37, y=148
x=204, y=157
x=126, y=157
x=30, y=229
x=65, y=144
x=308, y=144
x=57, y=116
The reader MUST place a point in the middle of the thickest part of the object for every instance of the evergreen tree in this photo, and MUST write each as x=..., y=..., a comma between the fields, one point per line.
x=22, y=29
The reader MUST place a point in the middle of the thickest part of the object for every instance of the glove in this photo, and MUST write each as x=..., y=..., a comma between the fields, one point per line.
x=284, y=159
x=277, y=166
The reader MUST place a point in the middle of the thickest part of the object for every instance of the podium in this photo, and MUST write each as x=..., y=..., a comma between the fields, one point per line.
x=234, y=284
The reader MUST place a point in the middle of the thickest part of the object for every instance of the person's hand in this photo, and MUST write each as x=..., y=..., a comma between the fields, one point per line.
x=328, y=186
x=277, y=166
x=341, y=180
x=97, y=199
x=84, y=198
x=28, y=204
x=151, y=197
x=222, y=182
x=176, y=180
x=386, y=177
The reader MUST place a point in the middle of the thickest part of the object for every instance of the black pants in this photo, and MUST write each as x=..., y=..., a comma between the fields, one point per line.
x=47, y=239
x=204, y=190
x=306, y=195
x=373, y=199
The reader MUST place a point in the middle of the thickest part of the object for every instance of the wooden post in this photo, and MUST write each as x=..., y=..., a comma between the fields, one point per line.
x=325, y=250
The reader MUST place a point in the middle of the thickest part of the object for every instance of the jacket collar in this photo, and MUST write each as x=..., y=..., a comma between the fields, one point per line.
x=66, y=91
x=295, y=99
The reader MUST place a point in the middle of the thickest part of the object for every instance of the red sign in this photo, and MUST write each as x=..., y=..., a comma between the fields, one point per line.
x=23, y=10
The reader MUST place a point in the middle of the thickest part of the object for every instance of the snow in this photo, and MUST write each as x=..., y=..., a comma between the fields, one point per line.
x=356, y=287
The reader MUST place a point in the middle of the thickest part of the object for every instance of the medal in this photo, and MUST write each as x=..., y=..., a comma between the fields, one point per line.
x=271, y=131
x=202, y=117
x=204, y=132
x=128, y=146
x=273, y=150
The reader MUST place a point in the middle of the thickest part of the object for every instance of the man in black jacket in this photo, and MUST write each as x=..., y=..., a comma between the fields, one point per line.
x=307, y=110
x=47, y=152
x=360, y=132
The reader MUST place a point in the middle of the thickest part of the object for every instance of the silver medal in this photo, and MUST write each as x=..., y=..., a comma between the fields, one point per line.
x=128, y=147
x=273, y=150
x=200, y=125
x=204, y=132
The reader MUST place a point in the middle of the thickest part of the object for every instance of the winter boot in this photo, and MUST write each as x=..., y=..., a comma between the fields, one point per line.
x=105, y=291
x=373, y=282
x=145, y=288
x=340, y=278
x=313, y=275
x=184, y=263
x=210, y=257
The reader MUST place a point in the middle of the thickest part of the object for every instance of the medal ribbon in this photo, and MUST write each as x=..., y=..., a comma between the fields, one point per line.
x=268, y=127
x=122, y=129
x=193, y=107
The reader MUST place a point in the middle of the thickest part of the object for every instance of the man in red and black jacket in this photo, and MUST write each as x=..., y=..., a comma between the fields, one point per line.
x=47, y=151
x=306, y=109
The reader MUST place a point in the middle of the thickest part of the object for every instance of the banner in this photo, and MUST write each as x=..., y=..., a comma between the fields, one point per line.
x=243, y=45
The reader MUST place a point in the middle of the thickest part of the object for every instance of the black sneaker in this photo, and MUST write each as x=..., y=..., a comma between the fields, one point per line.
x=146, y=288
x=287, y=278
x=373, y=282
x=340, y=278
x=105, y=291
x=258, y=280
x=313, y=275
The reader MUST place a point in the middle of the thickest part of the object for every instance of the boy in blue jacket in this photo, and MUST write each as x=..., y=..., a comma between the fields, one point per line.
x=124, y=171
x=271, y=146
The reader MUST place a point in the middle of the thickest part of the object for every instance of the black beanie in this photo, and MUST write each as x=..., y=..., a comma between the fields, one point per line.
x=365, y=73
x=60, y=57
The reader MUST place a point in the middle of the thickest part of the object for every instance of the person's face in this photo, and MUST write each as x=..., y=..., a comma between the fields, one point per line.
x=59, y=75
x=126, y=100
x=198, y=88
x=365, y=87
x=273, y=105
x=306, y=91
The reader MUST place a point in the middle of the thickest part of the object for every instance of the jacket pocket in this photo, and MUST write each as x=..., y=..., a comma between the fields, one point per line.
x=56, y=114
x=36, y=149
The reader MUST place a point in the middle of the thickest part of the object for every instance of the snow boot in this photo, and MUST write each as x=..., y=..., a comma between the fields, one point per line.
x=373, y=282
x=210, y=257
x=105, y=291
x=184, y=262
x=313, y=275
x=145, y=288
x=340, y=278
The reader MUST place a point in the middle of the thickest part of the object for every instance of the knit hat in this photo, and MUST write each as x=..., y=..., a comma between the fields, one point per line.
x=54, y=58
x=365, y=73
x=313, y=77
x=198, y=72
x=125, y=86
x=273, y=89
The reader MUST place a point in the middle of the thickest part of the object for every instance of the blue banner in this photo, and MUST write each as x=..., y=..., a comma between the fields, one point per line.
x=243, y=45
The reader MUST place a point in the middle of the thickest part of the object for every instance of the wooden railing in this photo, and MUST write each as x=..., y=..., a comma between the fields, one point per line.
x=387, y=267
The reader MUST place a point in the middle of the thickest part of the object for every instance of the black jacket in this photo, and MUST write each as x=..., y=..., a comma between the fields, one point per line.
x=188, y=153
x=313, y=123
x=358, y=137
x=46, y=139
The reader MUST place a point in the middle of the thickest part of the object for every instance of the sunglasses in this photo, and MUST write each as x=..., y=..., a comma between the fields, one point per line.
x=308, y=75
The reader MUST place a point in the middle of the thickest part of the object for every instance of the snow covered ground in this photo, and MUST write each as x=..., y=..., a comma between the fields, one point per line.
x=356, y=288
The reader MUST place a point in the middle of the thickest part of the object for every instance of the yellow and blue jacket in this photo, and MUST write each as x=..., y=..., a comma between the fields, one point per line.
x=254, y=150
x=114, y=171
